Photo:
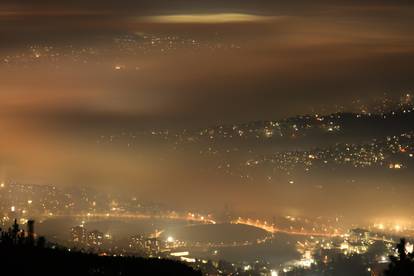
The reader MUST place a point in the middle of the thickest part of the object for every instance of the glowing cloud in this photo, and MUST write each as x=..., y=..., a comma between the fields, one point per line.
x=212, y=18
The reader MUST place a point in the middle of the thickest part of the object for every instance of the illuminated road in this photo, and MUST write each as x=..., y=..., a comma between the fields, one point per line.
x=200, y=219
x=273, y=229
x=190, y=217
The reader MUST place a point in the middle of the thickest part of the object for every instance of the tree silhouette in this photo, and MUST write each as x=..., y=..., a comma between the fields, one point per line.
x=20, y=251
x=403, y=263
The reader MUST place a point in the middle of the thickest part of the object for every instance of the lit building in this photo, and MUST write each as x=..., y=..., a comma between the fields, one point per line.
x=95, y=238
x=79, y=235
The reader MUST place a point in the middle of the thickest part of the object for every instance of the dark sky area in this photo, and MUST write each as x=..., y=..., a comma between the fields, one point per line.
x=292, y=56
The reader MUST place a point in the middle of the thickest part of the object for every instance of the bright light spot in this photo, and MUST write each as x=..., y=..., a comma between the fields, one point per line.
x=409, y=247
x=273, y=273
x=396, y=166
x=383, y=260
x=180, y=254
x=29, y=201
x=188, y=260
x=170, y=239
x=268, y=133
x=344, y=246
x=13, y=209
x=306, y=263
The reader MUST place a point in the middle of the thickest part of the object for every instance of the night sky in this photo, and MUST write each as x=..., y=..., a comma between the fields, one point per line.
x=292, y=57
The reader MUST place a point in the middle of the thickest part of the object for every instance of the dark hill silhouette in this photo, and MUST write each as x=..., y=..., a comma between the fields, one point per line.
x=21, y=254
x=403, y=264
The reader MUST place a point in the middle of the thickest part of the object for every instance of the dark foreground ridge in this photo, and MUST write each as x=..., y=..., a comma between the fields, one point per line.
x=22, y=254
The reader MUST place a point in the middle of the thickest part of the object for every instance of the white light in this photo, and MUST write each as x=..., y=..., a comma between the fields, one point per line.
x=188, y=260
x=273, y=273
x=170, y=239
x=180, y=254
x=409, y=247
x=13, y=208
